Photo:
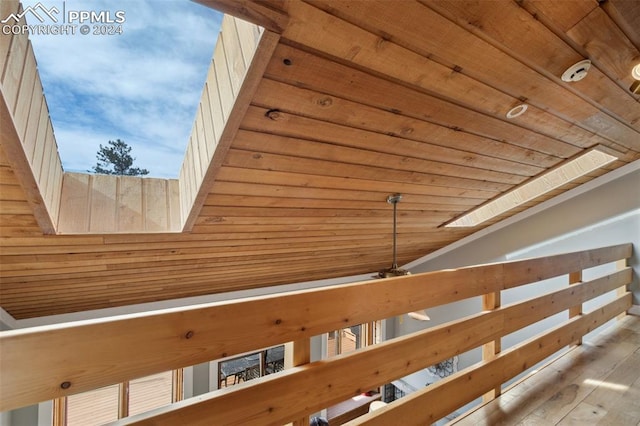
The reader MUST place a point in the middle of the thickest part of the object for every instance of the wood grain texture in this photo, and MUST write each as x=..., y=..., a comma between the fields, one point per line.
x=379, y=364
x=304, y=127
x=258, y=12
x=563, y=389
x=100, y=204
x=433, y=403
x=22, y=167
x=138, y=344
x=236, y=82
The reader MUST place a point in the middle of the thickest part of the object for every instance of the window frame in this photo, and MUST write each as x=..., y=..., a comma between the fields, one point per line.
x=60, y=405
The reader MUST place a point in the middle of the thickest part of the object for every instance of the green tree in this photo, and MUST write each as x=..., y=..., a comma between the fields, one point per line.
x=115, y=159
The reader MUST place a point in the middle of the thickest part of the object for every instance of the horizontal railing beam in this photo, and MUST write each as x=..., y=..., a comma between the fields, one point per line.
x=520, y=272
x=432, y=403
x=92, y=354
x=279, y=399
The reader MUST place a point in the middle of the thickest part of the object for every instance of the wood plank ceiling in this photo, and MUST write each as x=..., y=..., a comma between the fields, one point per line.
x=361, y=99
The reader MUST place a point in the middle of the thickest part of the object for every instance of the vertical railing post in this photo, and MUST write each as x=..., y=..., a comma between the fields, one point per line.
x=123, y=400
x=575, y=278
x=490, y=302
x=301, y=356
x=59, y=411
x=621, y=264
x=178, y=385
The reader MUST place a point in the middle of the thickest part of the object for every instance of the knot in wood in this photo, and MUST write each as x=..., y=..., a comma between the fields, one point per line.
x=189, y=334
x=65, y=385
x=273, y=114
x=325, y=102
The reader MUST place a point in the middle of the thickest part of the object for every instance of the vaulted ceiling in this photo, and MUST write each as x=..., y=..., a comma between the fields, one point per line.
x=358, y=100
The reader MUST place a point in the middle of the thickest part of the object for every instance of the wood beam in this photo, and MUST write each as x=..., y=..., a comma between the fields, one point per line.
x=260, y=13
x=620, y=265
x=123, y=399
x=490, y=350
x=302, y=356
x=333, y=380
x=574, y=278
x=178, y=385
x=59, y=412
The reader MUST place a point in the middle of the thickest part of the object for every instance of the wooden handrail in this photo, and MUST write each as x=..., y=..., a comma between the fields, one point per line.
x=96, y=353
x=331, y=381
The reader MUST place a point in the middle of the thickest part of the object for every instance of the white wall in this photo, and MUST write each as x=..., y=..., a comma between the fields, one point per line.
x=32, y=415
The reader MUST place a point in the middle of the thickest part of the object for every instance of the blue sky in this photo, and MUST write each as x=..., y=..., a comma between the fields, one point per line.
x=142, y=86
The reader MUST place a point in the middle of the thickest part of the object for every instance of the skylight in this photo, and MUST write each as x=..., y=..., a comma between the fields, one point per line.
x=130, y=70
x=565, y=173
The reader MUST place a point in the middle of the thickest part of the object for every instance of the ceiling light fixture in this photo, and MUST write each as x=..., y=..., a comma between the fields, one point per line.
x=555, y=178
x=419, y=315
x=635, y=73
x=577, y=71
x=517, y=111
x=394, y=271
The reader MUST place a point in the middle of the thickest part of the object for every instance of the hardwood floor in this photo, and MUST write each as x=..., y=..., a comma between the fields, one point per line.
x=597, y=383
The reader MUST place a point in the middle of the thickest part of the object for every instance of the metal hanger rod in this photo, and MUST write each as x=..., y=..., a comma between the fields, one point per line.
x=395, y=199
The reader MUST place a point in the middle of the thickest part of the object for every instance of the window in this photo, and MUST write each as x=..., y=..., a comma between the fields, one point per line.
x=351, y=338
x=95, y=407
x=150, y=392
x=343, y=341
x=113, y=402
x=391, y=393
x=250, y=366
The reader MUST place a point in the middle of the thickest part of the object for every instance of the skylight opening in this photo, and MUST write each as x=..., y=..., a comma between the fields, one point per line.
x=124, y=70
x=547, y=182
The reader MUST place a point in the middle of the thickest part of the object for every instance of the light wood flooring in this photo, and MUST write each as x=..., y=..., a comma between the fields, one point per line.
x=597, y=383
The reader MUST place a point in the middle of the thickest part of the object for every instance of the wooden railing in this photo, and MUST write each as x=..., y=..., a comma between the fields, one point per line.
x=49, y=362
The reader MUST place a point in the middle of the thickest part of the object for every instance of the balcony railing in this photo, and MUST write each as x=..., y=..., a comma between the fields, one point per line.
x=49, y=362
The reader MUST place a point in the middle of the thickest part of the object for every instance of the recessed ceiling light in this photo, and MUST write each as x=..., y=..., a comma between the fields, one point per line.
x=635, y=72
x=568, y=171
x=517, y=111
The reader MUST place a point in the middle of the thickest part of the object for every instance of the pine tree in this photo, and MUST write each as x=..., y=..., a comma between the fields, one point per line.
x=115, y=159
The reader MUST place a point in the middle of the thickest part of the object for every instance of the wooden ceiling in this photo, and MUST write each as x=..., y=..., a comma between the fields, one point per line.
x=360, y=99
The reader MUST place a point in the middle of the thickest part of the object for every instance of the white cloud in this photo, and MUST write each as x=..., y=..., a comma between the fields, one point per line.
x=142, y=86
